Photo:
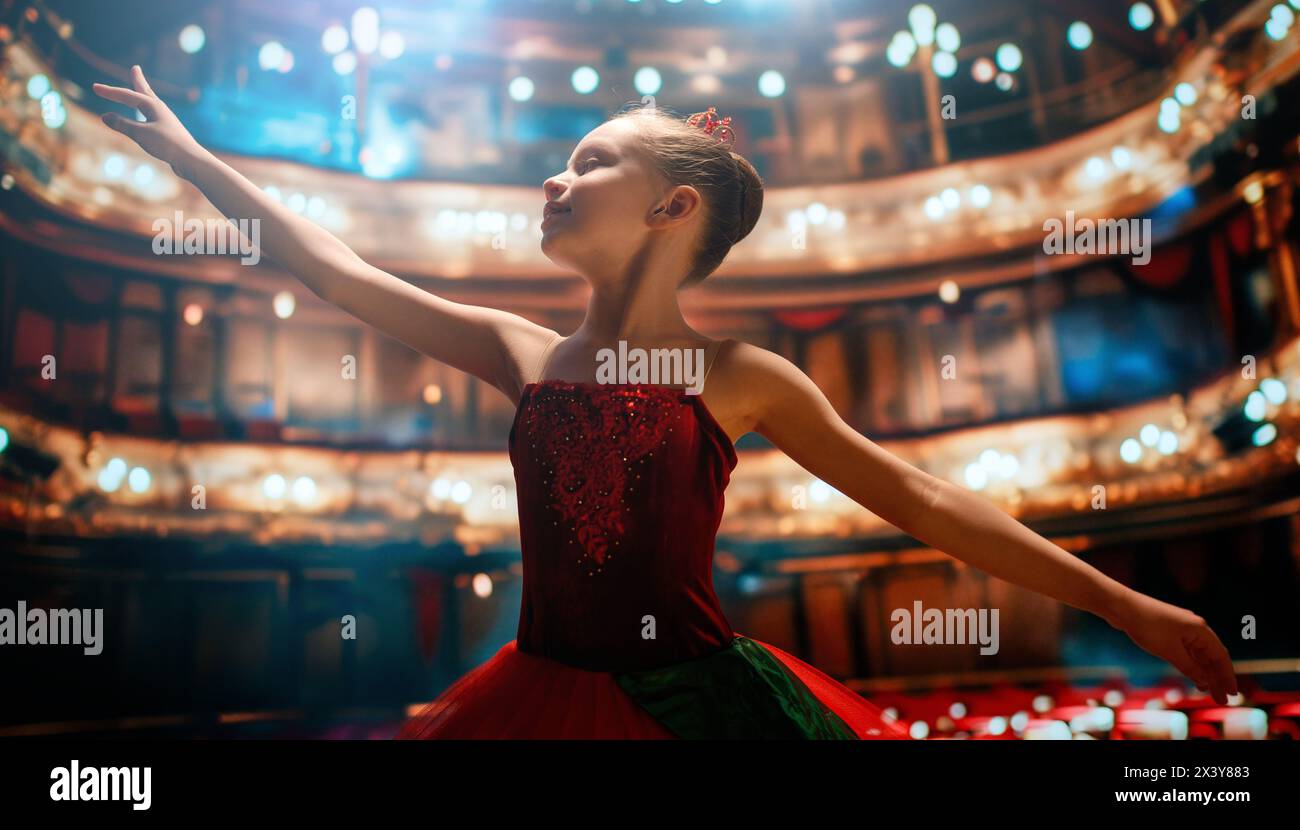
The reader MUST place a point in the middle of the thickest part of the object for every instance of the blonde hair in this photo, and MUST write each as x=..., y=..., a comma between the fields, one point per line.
x=732, y=189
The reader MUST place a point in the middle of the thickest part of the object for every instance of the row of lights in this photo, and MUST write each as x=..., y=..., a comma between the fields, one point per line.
x=646, y=81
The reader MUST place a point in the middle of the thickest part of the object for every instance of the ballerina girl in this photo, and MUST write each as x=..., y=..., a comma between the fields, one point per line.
x=620, y=486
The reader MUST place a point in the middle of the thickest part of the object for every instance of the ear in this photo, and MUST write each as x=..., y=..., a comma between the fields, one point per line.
x=679, y=205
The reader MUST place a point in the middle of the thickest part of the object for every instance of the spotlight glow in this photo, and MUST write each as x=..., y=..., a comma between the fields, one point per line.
x=1009, y=57
x=584, y=80
x=1140, y=16
x=334, y=39
x=771, y=84
x=1079, y=35
x=271, y=55
x=647, y=80
x=191, y=39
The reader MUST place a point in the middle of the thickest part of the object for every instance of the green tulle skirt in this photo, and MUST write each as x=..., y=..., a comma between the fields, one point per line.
x=741, y=691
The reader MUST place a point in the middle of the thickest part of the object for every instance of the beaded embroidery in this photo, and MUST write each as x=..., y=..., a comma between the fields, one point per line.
x=590, y=448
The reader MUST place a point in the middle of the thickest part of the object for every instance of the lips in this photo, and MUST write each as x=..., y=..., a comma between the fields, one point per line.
x=551, y=209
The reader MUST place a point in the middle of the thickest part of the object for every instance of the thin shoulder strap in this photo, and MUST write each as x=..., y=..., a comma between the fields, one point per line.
x=546, y=356
x=713, y=348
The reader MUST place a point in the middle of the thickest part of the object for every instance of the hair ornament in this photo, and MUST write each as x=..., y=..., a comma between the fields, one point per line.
x=709, y=122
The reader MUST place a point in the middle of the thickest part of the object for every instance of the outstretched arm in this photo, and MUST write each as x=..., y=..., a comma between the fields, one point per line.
x=488, y=343
x=793, y=413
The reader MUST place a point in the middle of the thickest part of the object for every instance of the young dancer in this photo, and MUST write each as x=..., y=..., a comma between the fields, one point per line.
x=620, y=486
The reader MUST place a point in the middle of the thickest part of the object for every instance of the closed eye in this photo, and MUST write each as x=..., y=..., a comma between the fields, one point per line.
x=587, y=165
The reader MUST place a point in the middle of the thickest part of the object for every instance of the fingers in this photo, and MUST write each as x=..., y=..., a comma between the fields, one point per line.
x=125, y=97
x=126, y=126
x=141, y=85
x=1213, y=661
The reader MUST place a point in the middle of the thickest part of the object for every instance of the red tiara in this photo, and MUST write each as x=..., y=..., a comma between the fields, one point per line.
x=710, y=123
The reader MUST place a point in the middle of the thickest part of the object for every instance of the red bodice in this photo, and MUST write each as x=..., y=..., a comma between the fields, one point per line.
x=620, y=493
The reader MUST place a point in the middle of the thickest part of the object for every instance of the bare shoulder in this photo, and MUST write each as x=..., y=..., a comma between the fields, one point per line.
x=746, y=383
x=526, y=344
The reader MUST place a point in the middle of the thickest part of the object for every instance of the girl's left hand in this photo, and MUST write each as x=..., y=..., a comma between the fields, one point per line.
x=1183, y=639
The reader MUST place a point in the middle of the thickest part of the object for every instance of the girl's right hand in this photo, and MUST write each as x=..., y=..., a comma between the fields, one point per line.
x=162, y=135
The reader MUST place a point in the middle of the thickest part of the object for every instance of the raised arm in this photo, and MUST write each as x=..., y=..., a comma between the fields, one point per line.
x=490, y=344
x=794, y=415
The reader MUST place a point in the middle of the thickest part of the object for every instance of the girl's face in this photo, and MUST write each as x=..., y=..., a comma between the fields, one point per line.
x=603, y=205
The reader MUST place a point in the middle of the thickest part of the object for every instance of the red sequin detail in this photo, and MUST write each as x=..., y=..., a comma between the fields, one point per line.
x=590, y=446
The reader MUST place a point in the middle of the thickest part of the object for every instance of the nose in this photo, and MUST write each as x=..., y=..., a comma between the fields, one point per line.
x=553, y=187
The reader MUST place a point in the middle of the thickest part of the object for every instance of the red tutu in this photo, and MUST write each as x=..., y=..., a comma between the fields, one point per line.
x=515, y=695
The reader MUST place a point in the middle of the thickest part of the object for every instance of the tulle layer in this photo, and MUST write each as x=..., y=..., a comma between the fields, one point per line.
x=515, y=695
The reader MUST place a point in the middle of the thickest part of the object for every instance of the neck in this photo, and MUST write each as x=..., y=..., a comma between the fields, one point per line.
x=636, y=307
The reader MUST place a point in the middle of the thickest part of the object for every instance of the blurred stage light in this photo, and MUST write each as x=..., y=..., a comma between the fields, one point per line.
x=1168, y=443
x=1121, y=158
x=1149, y=434
x=771, y=84
x=983, y=70
x=365, y=30
x=37, y=86
x=52, y=111
x=521, y=88
x=1264, y=436
x=816, y=213
x=934, y=208
x=921, y=19
x=584, y=80
x=193, y=314
x=1004, y=82
x=271, y=55
x=138, y=480
x=944, y=64
x=1283, y=15
x=114, y=166
x=706, y=84
x=304, y=490
x=345, y=63
x=1274, y=390
x=1275, y=30
x=1169, y=121
x=947, y=38
x=949, y=291
x=951, y=198
x=1095, y=169
x=296, y=202
x=1130, y=451
x=273, y=486
x=283, y=303
x=273, y=191
x=191, y=39
x=1185, y=94
x=392, y=45
x=980, y=196
x=461, y=492
x=482, y=585
x=1140, y=16
x=647, y=80
x=716, y=56
x=1008, y=57
x=334, y=39
x=1079, y=35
